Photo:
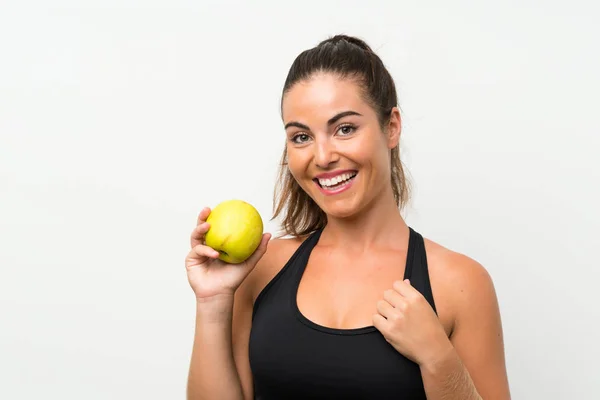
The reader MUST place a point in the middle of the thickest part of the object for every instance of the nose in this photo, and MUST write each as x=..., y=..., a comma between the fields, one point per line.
x=325, y=152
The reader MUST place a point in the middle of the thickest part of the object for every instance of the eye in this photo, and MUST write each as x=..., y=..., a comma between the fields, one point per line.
x=300, y=138
x=346, y=129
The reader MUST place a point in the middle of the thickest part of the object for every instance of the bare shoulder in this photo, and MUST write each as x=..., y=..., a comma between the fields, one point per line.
x=451, y=264
x=279, y=251
x=457, y=280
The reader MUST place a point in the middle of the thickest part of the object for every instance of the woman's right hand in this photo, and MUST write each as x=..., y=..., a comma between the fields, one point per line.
x=210, y=277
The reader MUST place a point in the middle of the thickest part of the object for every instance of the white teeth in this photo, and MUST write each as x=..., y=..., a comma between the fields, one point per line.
x=336, y=180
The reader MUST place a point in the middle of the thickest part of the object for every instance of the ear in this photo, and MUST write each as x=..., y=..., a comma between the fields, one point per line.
x=394, y=128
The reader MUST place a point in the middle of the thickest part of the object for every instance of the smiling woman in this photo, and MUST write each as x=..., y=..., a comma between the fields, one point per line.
x=354, y=304
x=334, y=130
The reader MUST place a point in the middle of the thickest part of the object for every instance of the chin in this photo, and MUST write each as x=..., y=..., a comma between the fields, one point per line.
x=342, y=210
x=341, y=207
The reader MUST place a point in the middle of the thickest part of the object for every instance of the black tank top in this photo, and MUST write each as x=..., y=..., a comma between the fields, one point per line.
x=293, y=358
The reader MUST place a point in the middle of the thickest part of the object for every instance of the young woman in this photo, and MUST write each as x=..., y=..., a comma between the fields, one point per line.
x=354, y=303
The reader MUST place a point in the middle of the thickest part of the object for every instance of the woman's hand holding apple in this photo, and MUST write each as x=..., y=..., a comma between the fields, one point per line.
x=209, y=276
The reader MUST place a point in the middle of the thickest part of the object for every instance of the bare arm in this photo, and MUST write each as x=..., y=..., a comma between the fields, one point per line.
x=213, y=373
x=449, y=380
x=220, y=365
x=223, y=319
x=473, y=365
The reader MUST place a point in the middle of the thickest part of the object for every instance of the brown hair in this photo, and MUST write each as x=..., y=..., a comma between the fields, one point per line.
x=347, y=57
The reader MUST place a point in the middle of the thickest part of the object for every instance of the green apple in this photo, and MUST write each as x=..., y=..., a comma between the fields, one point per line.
x=235, y=231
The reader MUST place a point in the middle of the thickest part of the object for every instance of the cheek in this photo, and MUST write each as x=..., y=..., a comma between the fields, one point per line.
x=366, y=154
x=376, y=159
x=294, y=164
x=297, y=165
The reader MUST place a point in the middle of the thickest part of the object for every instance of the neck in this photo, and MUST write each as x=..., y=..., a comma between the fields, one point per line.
x=379, y=225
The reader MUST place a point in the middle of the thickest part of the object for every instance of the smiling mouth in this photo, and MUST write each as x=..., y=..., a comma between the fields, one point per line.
x=337, y=182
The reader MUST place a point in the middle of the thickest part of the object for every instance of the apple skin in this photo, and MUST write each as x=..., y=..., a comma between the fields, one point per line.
x=235, y=231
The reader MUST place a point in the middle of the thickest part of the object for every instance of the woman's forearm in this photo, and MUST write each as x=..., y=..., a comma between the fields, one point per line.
x=212, y=373
x=448, y=379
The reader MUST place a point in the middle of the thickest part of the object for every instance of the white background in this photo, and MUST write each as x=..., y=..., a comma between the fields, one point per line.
x=119, y=121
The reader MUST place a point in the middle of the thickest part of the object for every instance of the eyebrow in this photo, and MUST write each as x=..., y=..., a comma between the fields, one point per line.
x=331, y=121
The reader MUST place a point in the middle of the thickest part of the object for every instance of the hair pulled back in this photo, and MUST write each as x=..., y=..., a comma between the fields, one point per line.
x=347, y=57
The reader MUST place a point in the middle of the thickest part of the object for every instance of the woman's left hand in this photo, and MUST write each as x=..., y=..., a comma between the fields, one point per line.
x=410, y=325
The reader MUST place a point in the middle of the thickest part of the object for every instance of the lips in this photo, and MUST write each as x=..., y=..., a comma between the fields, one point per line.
x=337, y=184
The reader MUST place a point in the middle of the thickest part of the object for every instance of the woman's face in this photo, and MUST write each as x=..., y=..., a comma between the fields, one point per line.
x=335, y=147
